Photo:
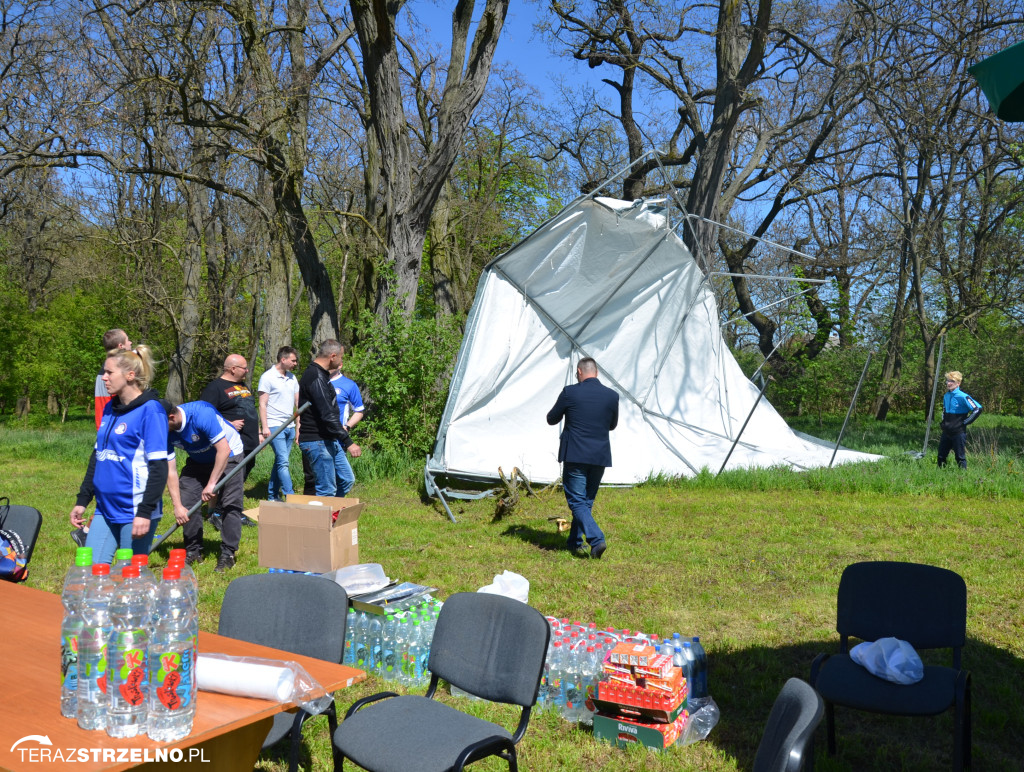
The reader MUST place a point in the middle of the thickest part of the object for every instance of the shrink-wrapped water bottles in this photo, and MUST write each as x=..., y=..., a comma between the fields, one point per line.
x=75, y=582
x=349, y=657
x=374, y=643
x=389, y=645
x=92, y=649
x=127, y=678
x=359, y=640
x=172, y=660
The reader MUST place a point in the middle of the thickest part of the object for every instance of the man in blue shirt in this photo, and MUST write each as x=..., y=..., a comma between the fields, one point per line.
x=351, y=409
x=214, y=450
x=591, y=411
x=959, y=409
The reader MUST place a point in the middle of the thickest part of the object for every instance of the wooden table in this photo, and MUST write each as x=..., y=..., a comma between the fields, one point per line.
x=227, y=731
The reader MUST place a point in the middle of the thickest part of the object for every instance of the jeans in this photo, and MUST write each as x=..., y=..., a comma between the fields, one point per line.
x=105, y=538
x=957, y=443
x=581, y=482
x=280, y=483
x=330, y=466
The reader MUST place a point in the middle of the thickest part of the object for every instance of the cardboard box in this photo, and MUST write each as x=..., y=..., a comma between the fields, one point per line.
x=300, y=534
x=624, y=731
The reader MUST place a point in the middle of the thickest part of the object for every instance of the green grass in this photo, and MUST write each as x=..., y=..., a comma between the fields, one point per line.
x=750, y=561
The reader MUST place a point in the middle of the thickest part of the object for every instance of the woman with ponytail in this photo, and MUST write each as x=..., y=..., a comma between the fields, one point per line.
x=127, y=470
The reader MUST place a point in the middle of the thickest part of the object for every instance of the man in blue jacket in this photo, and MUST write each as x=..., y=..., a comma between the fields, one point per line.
x=591, y=411
x=959, y=409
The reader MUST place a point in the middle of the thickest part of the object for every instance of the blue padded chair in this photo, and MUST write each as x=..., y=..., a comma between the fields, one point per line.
x=488, y=645
x=923, y=605
x=786, y=742
x=301, y=614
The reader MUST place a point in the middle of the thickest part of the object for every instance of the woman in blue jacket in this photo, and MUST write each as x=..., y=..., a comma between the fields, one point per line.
x=127, y=470
x=958, y=410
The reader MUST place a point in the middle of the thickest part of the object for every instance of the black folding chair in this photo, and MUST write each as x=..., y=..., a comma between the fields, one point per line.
x=24, y=521
x=923, y=605
x=786, y=742
x=488, y=645
x=293, y=612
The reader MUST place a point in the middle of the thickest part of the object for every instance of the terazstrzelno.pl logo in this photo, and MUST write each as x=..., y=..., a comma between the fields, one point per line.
x=39, y=748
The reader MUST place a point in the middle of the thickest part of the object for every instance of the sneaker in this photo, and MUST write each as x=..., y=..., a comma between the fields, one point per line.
x=597, y=551
x=78, y=536
x=248, y=521
x=191, y=558
x=216, y=521
x=225, y=562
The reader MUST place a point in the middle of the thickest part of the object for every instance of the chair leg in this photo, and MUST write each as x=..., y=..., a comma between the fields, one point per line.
x=962, y=724
x=513, y=762
x=296, y=743
x=332, y=723
x=830, y=727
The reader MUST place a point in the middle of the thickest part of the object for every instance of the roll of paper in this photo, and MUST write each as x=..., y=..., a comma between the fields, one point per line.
x=244, y=679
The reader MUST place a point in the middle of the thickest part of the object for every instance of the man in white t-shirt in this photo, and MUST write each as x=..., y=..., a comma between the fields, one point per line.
x=279, y=397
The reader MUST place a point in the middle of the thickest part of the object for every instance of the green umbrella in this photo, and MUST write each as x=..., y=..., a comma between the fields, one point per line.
x=1001, y=77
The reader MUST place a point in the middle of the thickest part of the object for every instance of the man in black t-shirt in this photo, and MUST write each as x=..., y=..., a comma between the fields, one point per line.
x=236, y=403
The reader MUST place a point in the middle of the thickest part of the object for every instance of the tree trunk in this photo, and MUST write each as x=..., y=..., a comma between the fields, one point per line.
x=187, y=332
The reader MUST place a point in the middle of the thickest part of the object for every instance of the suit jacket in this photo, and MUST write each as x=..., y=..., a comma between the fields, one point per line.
x=591, y=410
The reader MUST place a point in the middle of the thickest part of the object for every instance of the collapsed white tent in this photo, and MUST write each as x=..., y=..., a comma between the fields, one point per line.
x=608, y=279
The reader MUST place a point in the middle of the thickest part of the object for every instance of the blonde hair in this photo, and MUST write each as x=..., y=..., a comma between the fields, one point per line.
x=955, y=375
x=138, y=361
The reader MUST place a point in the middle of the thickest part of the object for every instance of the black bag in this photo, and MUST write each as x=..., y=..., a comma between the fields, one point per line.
x=13, y=556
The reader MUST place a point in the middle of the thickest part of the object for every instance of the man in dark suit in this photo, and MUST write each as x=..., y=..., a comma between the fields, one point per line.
x=591, y=411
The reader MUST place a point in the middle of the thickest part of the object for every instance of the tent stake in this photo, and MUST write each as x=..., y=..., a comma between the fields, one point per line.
x=935, y=389
x=749, y=416
x=849, y=412
x=238, y=467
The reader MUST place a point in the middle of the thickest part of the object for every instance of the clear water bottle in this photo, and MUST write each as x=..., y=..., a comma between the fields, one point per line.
x=349, y=657
x=92, y=649
x=122, y=558
x=127, y=677
x=556, y=676
x=414, y=655
x=575, y=683
x=177, y=558
x=374, y=633
x=688, y=663
x=389, y=640
x=699, y=691
x=172, y=661
x=75, y=582
x=147, y=577
x=359, y=640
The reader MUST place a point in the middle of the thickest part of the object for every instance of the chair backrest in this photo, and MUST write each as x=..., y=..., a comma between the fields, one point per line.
x=490, y=646
x=923, y=605
x=292, y=612
x=24, y=521
x=795, y=715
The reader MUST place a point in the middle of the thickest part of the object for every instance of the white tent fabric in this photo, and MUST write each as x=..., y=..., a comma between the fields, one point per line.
x=611, y=280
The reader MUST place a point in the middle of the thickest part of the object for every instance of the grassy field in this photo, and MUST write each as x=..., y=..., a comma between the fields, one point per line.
x=749, y=561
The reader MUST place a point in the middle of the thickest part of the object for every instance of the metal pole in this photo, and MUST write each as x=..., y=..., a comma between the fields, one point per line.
x=749, y=416
x=935, y=390
x=238, y=467
x=433, y=489
x=849, y=412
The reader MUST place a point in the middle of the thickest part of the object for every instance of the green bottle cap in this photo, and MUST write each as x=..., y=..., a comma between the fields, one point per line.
x=83, y=556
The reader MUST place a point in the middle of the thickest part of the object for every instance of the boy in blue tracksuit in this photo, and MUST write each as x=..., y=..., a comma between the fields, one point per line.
x=958, y=410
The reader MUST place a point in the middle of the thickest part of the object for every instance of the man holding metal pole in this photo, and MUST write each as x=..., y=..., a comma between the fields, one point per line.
x=214, y=449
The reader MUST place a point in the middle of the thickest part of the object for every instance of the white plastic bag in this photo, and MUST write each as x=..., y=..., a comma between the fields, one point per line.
x=266, y=679
x=891, y=659
x=510, y=585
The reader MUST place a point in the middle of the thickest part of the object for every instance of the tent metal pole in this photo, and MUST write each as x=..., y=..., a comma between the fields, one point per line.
x=758, y=370
x=238, y=467
x=772, y=278
x=433, y=489
x=770, y=305
x=935, y=391
x=742, y=428
x=790, y=250
x=849, y=412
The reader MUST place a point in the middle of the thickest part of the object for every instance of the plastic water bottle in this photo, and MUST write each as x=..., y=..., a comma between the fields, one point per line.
x=374, y=634
x=688, y=667
x=122, y=558
x=172, y=661
x=92, y=649
x=556, y=675
x=177, y=558
x=575, y=688
x=75, y=582
x=127, y=677
x=147, y=577
x=359, y=640
x=699, y=691
x=349, y=657
x=389, y=640
x=414, y=655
